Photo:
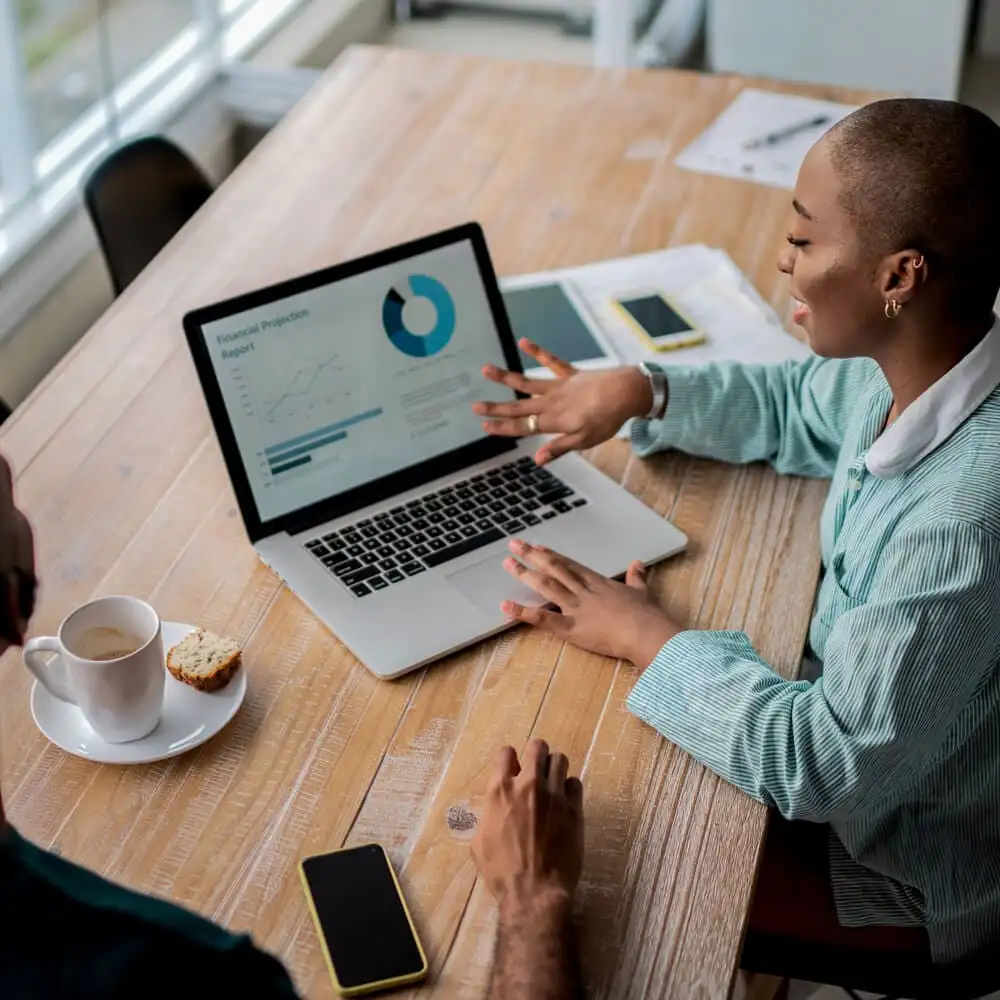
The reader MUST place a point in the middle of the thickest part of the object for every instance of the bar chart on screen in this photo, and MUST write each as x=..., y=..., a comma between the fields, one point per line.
x=287, y=456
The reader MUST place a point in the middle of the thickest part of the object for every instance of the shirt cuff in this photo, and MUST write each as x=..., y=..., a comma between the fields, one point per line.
x=678, y=693
x=686, y=387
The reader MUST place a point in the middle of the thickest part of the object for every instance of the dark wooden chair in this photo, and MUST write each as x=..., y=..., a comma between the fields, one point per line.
x=138, y=198
x=892, y=976
x=794, y=932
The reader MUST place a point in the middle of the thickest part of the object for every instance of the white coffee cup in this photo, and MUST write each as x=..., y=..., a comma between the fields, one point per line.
x=109, y=662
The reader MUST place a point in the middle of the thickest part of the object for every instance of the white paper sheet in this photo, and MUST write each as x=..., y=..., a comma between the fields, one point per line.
x=754, y=114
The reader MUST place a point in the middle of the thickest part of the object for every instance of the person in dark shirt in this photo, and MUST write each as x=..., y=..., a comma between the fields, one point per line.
x=68, y=933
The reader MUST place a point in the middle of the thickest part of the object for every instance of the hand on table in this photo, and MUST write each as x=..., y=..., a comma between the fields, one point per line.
x=529, y=843
x=621, y=620
x=583, y=408
x=529, y=851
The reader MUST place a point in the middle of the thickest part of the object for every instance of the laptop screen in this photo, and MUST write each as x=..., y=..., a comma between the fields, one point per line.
x=335, y=387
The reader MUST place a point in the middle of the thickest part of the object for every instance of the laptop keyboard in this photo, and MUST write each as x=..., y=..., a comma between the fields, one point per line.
x=423, y=534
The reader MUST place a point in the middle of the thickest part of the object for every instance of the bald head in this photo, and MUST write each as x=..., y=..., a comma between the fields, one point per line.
x=923, y=175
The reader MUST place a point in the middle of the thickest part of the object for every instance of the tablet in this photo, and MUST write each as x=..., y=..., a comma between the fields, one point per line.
x=553, y=315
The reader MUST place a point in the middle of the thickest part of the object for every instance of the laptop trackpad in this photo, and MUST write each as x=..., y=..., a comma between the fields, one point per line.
x=487, y=584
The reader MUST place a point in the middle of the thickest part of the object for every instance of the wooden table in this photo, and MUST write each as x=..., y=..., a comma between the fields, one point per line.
x=120, y=472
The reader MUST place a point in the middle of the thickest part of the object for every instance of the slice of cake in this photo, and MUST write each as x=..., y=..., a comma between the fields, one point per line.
x=204, y=660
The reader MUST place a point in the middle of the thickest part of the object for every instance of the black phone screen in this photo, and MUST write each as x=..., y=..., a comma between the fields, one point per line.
x=655, y=315
x=362, y=917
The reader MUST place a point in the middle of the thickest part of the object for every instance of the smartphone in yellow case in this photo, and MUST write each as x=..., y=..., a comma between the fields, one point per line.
x=657, y=320
x=368, y=937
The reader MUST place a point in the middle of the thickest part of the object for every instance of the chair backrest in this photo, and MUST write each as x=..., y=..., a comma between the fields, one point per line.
x=138, y=198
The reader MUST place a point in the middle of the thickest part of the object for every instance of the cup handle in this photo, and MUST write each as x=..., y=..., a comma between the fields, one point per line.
x=51, y=672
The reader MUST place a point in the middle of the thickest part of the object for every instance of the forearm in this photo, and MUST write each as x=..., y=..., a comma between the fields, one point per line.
x=694, y=419
x=900, y=671
x=749, y=413
x=536, y=955
x=712, y=695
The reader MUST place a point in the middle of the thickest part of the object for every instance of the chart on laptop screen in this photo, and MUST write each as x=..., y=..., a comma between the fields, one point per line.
x=346, y=383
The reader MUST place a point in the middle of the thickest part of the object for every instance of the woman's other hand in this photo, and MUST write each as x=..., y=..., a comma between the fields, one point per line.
x=583, y=409
x=599, y=615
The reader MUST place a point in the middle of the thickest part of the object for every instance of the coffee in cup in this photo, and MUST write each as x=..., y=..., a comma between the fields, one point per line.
x=108, y=661
x=102, y=642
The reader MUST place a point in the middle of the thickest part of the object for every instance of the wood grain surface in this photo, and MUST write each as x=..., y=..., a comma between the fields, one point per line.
x=120, y=472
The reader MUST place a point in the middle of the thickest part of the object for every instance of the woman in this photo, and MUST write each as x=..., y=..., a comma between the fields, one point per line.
x=895, y=750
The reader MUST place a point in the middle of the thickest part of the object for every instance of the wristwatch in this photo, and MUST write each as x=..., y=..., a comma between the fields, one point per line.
x=658, y=384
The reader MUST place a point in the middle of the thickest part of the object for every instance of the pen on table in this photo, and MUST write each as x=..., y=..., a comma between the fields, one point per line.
x=773, y=138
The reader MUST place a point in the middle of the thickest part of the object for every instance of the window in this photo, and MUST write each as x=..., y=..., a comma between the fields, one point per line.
x=61, y=54
x=77, y=76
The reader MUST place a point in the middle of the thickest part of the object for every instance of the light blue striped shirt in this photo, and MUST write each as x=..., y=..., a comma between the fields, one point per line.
x=897, y=745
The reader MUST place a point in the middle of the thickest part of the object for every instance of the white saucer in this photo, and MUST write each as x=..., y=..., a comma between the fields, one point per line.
x=190, y=717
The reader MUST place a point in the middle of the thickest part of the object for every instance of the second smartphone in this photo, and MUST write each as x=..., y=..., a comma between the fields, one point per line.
x=366, y=930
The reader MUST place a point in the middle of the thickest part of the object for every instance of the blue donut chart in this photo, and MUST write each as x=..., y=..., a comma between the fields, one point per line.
x=416, y=346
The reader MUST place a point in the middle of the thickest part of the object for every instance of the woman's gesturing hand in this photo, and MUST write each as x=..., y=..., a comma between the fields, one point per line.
x=583, y=409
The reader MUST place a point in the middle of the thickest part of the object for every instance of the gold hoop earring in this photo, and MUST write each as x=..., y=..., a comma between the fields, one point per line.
x=892, y=309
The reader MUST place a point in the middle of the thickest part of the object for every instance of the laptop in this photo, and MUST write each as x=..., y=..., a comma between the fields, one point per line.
x=342, y=404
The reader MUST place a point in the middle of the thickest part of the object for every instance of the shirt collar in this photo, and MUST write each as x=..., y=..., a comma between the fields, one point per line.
x=934, y=416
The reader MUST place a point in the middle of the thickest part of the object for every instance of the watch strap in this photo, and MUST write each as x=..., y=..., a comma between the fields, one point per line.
x=658, y=384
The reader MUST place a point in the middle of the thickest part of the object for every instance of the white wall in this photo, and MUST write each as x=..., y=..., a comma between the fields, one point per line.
x=37, y=345
x=899, y=46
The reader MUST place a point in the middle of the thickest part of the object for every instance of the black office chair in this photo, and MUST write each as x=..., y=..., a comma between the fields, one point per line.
x=138, y=198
